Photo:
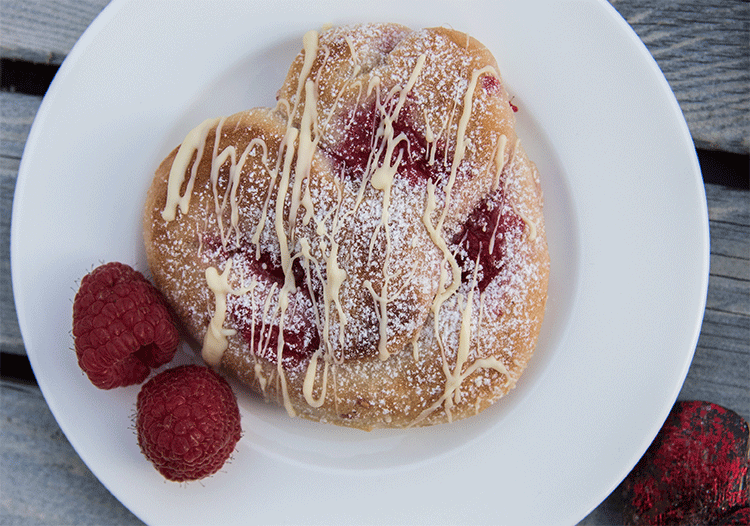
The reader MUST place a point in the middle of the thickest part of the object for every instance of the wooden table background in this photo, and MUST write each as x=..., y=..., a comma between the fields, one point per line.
x=703, y=48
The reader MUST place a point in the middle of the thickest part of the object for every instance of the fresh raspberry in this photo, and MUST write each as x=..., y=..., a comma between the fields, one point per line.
x=188, y=422
x=122, y=327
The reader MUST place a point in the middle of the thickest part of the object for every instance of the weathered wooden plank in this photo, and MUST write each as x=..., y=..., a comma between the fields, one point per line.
x=729, y=223
x=720, y=369
x=44, y=31
x=729, y=240
x=730, y=206
x=734, y=268
x=703, y=49
x=701, y=46
x=17, y=112
x=728, y=295
x=42, y=478
x=726, y=332
x=10, y=335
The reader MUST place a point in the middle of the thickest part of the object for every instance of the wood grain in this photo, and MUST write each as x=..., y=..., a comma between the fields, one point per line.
x=720, y=371
x=43, y=479
x=701, y=46
x=10, y=334
x=703, y=49
x=18, y=112
x=44, y=31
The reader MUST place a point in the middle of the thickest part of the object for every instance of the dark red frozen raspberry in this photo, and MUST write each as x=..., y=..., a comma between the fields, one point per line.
x=188, y=422
x=121, y=326
x=695, y=471
x=741, y=517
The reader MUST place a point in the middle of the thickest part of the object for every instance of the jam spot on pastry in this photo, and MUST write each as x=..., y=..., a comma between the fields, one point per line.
x=357, y=152
x=301, y=338
x=299, y=344
x=491, y=84
x=483, y=240
x=271, y=270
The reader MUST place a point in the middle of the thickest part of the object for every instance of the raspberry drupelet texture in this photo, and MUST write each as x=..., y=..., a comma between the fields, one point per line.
x=695, y=472
x=188, y=422
x=122, y=327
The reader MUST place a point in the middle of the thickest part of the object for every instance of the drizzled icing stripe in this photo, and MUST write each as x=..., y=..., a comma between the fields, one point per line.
x=215, y=341
x=499, y=161
x=309, y=383
x=382, y=179
x=194, y=142
x=291, y=180
x=436, y=230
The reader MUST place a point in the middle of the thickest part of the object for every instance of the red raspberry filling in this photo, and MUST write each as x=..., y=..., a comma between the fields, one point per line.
x=491, y=84
x=362, y=140
x=299, y=345
x=483, y=239
x=301, y=337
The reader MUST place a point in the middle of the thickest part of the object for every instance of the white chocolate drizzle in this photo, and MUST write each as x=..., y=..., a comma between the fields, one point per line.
x=309, y=383
x=499, y=161
x=215, y=342
x=289, y=198
x=194, y=142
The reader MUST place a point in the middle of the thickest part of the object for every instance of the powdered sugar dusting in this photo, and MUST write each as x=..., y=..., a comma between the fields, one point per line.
x=385, y=268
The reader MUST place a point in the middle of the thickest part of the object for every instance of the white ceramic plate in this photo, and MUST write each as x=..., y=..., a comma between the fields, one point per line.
x=628, y=234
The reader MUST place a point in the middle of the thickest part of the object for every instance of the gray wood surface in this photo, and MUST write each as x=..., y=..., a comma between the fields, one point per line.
x=720, y=371
x=43, y=480
x=16, y=115
x=703, y=49
x=44, y=30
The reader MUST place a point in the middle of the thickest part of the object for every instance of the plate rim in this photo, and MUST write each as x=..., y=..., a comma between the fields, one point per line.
x=111, y=10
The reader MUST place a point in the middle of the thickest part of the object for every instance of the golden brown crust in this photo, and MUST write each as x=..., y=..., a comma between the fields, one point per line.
x=400, y=276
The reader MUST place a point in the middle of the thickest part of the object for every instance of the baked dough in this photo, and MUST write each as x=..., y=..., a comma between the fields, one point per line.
x=369, y=252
